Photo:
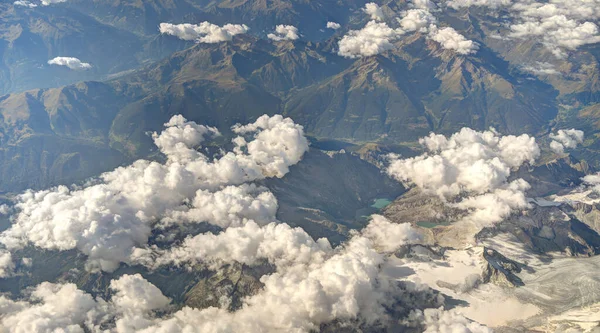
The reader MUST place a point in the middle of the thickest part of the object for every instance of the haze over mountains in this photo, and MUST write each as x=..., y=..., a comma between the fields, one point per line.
x=393, y=228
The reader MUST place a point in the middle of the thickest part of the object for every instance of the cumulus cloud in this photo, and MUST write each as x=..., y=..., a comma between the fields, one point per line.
x=108, y=220
x=231, y=206
x=204, y=32
x=7, y=266
x=592, y=182
x=417, y=20
x=565, y=139
x=333, y=25
x=492, y=207
x=388, y=236
x=133, y=304
x=24, y=4
x=374, y=11
x=280, y=244
x=284, y=32
x=470, y=170
x=468, y=161
x=51, y=308
x=373, y=39
x=70, y=62
x=449, y=39
x=133, y=292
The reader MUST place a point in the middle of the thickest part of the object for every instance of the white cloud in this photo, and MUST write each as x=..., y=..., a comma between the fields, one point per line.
x=468, y=161
x=423, y=4
x=388, y=236
x=457, y=4
x=5, y=209
x=178, y=140
x=70, y=62
x=585, y=10
x=593, y=182
x=558, y=31
x=558, y=24
x=50, y=2
x=492, y=207
x=51, y=308
x=204, y=32
x=133, y=292
x=133, y=304
x=314, y=284
x=231, y=206
x=421, y=19
x=106, y=221
x=565, y=139
x=541, y=68
x=280, y=244
x=24, y=4
x=333, y=25
x=470, y=171
x=449, y=39
x=373, y=39
x=7, y=266
x=374, y=11
x=284, y=32
x=440, y=321
x=417, y=20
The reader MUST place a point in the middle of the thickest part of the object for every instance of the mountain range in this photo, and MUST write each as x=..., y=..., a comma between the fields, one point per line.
x=456, y=127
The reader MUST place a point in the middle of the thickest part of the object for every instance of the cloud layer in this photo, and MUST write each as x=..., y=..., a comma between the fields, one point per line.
x=314, y=284
x=560, y=25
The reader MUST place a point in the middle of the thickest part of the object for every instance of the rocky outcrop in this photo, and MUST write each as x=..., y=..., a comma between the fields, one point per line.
x=418, y=252
x=553, y=176
x=500, y=270
x=588, y=214
x=226, y=287
x=549, y=229
x=422, y=209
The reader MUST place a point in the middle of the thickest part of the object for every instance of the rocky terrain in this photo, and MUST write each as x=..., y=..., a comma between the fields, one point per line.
x=493, y=220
